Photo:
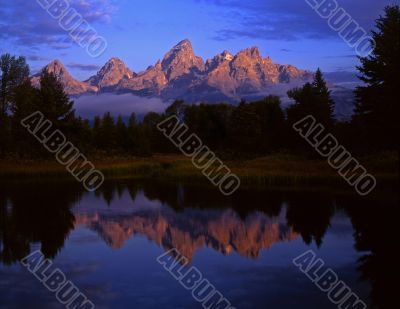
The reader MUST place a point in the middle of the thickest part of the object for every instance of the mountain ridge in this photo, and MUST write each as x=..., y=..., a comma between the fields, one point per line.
x=181, y=74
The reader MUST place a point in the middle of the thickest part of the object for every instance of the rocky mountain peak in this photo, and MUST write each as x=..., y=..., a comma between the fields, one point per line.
x=114, y=60
x=268, y=60
x=181, y=60
x=58, y=69
x=213, y=63
x=252, y=52
x=289, y=72
x=227, y=55
x=148, y=82
x=184, y=44
x=113, y=64
x=71, y=86
x=111, y=74
x=252, y=72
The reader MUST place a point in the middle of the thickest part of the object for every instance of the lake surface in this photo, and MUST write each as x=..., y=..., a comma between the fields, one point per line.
x=107, y=243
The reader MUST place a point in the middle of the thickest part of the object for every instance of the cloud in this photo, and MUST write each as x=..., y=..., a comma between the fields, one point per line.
x=26, y=23
x=340, y=56
x=288, y=19
x=89, y=106
x=36, y=58
x=95, y=10
x=84, y=67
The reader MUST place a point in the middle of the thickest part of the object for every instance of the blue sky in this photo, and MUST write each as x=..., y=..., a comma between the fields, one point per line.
x=141, y=32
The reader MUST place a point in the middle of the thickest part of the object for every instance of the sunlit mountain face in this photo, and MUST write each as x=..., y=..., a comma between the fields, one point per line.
x=181, y=74
x=125, y=226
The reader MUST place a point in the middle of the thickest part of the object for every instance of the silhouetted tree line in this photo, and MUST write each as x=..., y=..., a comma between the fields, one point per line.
x=249, y=128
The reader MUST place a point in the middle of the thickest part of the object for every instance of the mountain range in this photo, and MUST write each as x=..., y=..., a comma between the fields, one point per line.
x=183, y=75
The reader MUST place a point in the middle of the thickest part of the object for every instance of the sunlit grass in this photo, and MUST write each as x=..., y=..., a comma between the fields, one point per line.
x=271, y=169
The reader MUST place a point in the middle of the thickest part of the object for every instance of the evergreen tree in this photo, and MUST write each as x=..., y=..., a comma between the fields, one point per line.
x=13, y=72
x=121, y=134
x=107, y=133
x=210, y=122
x=312, y=99
x=53, y=101
x=245, y=128
x=79, y=132
x=132, y=134
x=24, y=104
x=377, y=108
x=272, y=123
x=96, y=137
x=323, y=94
x=150, y=138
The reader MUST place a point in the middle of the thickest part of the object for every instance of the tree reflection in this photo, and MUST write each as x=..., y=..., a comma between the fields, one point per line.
x=35, y=213
x=374, y=223
x=310, y=215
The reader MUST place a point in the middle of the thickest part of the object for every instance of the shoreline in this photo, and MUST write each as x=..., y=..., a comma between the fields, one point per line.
x=275, y=169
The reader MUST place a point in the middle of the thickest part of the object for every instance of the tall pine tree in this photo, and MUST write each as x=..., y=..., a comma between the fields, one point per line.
x=377, y=108
x=312, y=99
x=53, y=101
x=13, y=72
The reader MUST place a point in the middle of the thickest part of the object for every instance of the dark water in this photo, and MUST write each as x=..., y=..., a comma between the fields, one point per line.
x=107, y=243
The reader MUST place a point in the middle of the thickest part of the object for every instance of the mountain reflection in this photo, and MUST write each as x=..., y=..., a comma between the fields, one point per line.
x=190, y=217
x=224, y=231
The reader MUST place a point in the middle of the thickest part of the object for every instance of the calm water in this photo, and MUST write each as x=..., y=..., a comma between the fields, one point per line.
x=107, y=243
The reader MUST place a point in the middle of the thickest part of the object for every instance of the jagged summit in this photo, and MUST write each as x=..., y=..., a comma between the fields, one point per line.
x=252, y=52
x=111, y=74
x=184, y=43
x=211, y=64
x=114, y=59
x=181, y=60
x=184, y=75
x=71, y=86
x=227, y=55
x=57, y=68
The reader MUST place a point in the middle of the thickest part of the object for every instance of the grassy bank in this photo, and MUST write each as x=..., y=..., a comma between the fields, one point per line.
x=273, y=169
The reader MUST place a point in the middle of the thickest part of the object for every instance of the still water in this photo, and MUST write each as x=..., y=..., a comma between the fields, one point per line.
x=107, y=243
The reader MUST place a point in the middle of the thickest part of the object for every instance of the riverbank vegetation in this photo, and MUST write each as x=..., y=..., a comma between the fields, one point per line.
x=277, y=169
